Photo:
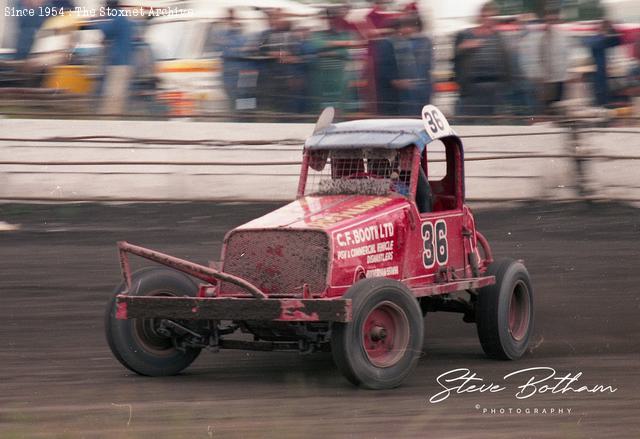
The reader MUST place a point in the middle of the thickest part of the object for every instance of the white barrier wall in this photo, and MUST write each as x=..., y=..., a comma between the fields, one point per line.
x=177, y=142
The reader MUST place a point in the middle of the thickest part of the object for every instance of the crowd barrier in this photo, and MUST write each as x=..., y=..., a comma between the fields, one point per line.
x=139, y=161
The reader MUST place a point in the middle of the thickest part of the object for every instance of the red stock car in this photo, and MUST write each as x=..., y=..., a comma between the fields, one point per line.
x=371, y=243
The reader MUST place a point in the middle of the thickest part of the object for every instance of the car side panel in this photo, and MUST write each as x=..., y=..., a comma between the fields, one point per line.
x=372, y=247
x=436, y=250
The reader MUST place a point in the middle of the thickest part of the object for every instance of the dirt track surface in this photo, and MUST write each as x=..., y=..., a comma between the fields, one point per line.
x=59, y=380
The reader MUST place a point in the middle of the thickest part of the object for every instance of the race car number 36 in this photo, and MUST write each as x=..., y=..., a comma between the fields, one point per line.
x=435, y=123
x=435, y=245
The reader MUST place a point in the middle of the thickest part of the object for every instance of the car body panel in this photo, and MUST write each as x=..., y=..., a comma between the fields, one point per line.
x=371, y=235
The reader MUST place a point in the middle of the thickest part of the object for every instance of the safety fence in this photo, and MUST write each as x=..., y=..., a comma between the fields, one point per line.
x=34, y=102
x=568, y=160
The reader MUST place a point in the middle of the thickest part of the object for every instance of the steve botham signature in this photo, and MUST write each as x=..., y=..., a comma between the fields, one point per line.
x=535, y=380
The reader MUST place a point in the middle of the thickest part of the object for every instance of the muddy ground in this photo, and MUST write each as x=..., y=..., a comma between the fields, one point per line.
x=59, y=380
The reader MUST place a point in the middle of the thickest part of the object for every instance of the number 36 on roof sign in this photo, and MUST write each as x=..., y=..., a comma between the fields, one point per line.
x=435, y=123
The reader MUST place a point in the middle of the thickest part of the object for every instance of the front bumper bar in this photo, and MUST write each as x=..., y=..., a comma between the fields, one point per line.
x=223, y=308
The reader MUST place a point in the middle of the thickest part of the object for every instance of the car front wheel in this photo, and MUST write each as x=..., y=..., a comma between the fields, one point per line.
x=380, y=347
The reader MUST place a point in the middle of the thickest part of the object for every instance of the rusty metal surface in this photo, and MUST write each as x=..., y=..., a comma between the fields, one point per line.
x=201, y=272
x=288, y=310
x=452, y=287
x=278, y=261
x=59, y=380
x=486, y=248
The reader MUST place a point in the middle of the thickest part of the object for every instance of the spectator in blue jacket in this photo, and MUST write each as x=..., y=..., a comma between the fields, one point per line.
x=606, y=38
x=119, y=42
x=413, y=53
x=234, y=45
x=28, y=26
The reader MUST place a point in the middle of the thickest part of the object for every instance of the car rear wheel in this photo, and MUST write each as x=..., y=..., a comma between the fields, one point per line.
x=504, y=311
x=382, y=344
x=137, y=343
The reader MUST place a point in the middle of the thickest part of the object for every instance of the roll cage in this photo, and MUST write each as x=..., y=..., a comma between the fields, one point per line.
x=397, y=150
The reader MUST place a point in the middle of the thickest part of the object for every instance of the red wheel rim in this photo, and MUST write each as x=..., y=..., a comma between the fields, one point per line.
x=519, y=313
x=385, y=334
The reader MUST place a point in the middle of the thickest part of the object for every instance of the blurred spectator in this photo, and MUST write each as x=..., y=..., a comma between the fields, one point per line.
x=544, y=59
x=379, y=17
x=606, y=38
x=328, y=55
x=356, y=63
x=234, y=44
x=144, y=83
x=277, y=77
x=119, y=35
x=339, y=20
x=19, y=69
x=554, y=52
x=530, y=59
x=635, y=69
x=520, y=97
x=481, y=66
x=379, y=93
x=28, y=26
x=413, y=54
x=634, y=77
x=385, y=72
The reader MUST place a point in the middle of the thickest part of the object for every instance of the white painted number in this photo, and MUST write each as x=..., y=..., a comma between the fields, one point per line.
x=435, y=245
x=441, y=242
x=428, y=258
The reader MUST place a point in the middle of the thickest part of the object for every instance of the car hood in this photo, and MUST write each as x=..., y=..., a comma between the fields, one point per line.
x=326, y=212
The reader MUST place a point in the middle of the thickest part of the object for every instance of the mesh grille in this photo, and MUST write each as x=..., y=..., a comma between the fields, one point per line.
x=363, y=172
x=278, y=261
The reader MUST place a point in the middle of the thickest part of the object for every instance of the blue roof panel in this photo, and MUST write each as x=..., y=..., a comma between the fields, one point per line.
x=371, y=133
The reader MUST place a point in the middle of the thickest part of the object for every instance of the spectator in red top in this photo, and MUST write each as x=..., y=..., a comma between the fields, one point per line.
x=379, y=17
x=339, y=21
x=634, y=74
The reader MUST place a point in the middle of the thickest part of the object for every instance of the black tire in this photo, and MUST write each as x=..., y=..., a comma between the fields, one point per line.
x=504, y=311
x=389, y=314
x=134, y=342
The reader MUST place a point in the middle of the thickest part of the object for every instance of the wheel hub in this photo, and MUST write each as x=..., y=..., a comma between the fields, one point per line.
x=385, y=334
x=378, y=333
x=519, y=313
x=151, y=334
